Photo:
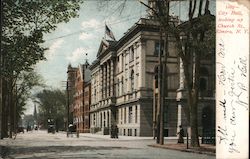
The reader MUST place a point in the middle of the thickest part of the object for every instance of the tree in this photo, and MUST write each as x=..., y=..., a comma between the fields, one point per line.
x=25, y=83
x=52, y=105
x=23, y=25
x=199, y=34
x=199, y=31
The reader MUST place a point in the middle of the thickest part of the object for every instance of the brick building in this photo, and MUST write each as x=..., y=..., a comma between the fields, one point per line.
x=78, y=79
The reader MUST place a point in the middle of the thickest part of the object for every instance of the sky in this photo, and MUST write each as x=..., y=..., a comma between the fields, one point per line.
x=70, y=42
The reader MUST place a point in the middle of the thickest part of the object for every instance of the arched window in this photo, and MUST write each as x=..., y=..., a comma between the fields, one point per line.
x=132, y=78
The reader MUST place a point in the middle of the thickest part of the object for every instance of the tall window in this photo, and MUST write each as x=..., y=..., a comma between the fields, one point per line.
x=122, y=89
x=107, y=119
x=104, y=119
x=132, y=78
x=122, y=59
x=157, y=47
x=124, y=116
x=95, y=96
x=121, y=115
x=130, y=113
x=156, y=77
x=118, y=87
x=132, y=53
x=101, y=119
x=136, y=114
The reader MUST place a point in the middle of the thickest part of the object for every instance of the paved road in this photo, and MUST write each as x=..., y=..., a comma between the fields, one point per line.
x=41, y=145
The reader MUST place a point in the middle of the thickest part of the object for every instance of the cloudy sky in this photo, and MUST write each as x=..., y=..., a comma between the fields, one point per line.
x=70, y=42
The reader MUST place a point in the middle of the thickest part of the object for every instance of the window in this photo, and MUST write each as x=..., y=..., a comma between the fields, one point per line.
x=101, y=119
x=157, y=47
x=121, y=115
x=132, y=54
x=122, y=90
x=108, y=119
x=124, y=116
x=132, y=78
x=104, y=119
x=122, y=59
x=118, y=87
x=94, y=120
x=118, y=63
x=130, y=114
x=156, y=77
x=136, y=114
x=203, y=79
x=95, y=96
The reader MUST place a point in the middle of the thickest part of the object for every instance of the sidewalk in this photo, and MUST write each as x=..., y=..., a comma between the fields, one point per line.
x=107, y=137
x=203, y=149
x=170, y=143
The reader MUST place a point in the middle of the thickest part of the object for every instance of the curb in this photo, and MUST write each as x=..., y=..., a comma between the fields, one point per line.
x=184, y=150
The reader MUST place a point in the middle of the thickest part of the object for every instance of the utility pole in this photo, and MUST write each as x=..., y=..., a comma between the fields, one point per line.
x=159, y=105
x=67, y=89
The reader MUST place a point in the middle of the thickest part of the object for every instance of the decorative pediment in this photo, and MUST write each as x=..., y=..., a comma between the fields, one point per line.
x=103, y=46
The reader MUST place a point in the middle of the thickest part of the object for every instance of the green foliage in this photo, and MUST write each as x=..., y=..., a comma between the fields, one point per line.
x=24, y=23
x=26, y=81
x=52, y=105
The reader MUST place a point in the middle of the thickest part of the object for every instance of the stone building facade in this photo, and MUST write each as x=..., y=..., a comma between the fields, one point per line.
x=124, y=86
x=122, y=81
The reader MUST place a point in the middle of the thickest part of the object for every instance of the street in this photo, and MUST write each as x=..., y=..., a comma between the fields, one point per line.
x=40, y=144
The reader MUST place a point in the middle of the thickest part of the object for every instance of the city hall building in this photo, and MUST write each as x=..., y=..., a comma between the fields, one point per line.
x=122, y=81
x=124, y=85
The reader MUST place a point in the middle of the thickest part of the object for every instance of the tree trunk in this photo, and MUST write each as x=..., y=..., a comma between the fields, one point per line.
x=194, y=124
x=195, y=98
x=4, y=110
x=10, y=105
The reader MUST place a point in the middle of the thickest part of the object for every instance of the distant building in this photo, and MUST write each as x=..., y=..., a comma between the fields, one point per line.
x=78, y=77
x=87, y=102
x=71, y=77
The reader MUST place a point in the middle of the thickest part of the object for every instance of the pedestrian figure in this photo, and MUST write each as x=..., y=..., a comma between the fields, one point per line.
x=180, y=135
x=116, y=132
x=112, y=131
